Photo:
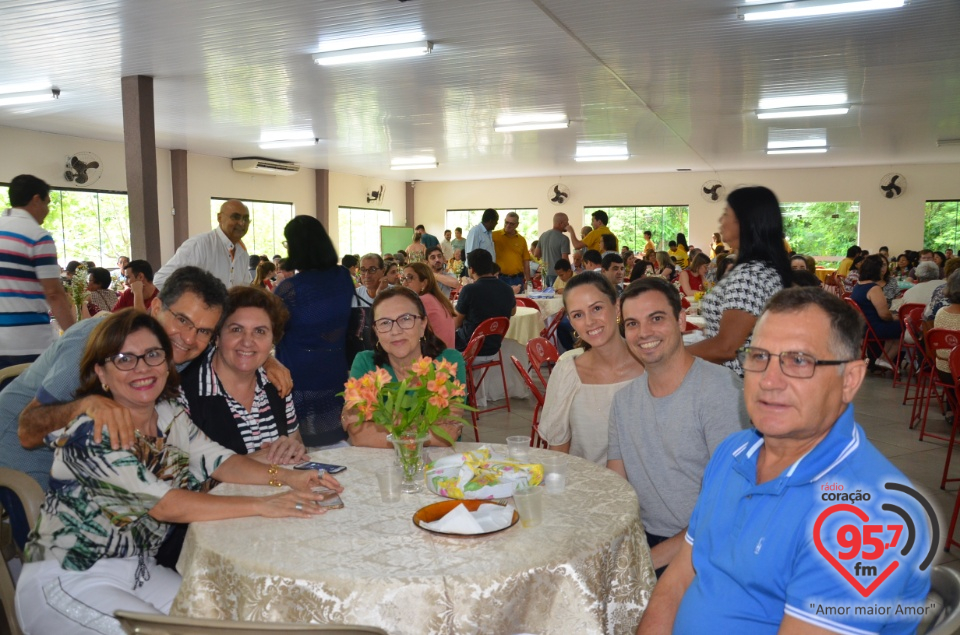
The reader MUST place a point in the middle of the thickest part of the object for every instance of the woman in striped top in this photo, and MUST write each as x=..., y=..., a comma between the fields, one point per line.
x=227, y=391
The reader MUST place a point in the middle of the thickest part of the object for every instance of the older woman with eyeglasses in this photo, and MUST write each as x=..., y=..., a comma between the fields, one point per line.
x=227, y=390
x=403, y=336
x=108, y=510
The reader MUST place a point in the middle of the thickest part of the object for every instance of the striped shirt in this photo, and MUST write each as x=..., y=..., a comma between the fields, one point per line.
x=257, y=425
x=27, y=255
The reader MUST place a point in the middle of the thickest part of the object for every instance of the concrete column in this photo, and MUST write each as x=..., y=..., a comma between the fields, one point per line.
x=181, y=204
x=323, y=197
x=140, y=145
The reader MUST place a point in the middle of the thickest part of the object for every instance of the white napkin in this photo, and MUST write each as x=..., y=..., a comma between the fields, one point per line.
x=460, y=520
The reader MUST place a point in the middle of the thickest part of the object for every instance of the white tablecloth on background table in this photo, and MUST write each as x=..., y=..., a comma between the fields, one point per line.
x=586, y=569
x=524, y=326
x=548, y=306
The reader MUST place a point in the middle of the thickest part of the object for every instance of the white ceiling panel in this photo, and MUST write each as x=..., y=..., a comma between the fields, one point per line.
x=677, y=82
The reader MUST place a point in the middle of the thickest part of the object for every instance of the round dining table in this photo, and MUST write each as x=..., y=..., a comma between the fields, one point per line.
x=585, y=569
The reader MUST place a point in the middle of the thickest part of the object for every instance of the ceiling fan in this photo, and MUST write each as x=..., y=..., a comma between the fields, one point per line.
x=558, y=193
x=892, y=185
x=83, y=168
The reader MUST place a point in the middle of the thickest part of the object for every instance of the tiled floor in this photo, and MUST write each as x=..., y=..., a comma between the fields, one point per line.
x=878, y=409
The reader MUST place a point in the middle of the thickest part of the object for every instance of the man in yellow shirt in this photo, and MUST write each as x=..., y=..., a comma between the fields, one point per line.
x=593, y=240
x=513, y=258
x=844, y=268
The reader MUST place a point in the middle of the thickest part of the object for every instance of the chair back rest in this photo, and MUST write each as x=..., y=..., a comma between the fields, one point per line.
x=12, y=371
x=939, y=340
x=912, y=325
x=493, y=326
x=945, y=587
x=158, y=624
x=905, y=309
x=527, y=380
x=540, y=351
x=548, y=332
x=473, y=348
x=495, y=329
x=528, y=302
x=30, y=495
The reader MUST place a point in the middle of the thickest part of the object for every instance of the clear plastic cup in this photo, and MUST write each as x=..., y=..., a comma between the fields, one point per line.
x=390, y=479
x=518, y=448
x=529, y=503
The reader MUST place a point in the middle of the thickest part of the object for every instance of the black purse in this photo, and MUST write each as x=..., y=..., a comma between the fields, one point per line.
x=359, y=329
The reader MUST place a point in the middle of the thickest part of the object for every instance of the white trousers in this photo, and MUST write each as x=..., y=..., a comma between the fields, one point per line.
x=51, y=599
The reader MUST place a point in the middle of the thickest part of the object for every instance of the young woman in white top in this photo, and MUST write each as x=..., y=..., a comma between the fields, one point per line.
x=581, y=387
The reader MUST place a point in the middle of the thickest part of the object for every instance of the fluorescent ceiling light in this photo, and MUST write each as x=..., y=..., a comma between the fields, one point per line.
x=379, y=39
x=414, y=163
x=519, y=123
x=602, y=153
x=799, y=143
x=288, y=143
x=29, y=97
x=372, y=53
x=800, y=101
x=810, y=8
x=811, y=111
x=798, y=151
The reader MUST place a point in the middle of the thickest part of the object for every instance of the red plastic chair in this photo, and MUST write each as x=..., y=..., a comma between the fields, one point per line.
x=908, y=344
x=535, y=440
x=870, y=337
x=937, y=340
x=469, y=356
x=954, y=361
x=490, y=327
x=527, y=302
x=920, y=365
x=550, y=333
x=540, y=351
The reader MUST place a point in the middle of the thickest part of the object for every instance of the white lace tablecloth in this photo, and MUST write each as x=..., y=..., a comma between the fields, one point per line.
x=548, y=306
x=586, y=569
x=525, y=325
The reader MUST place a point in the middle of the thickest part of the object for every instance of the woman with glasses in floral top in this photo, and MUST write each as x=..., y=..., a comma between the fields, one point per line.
x=108, y=511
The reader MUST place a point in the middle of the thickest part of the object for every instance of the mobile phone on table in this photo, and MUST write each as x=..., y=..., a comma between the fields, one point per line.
x=313, y=465
x=331, y=500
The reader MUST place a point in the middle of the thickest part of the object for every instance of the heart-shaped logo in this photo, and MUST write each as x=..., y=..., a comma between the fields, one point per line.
x=862, y=515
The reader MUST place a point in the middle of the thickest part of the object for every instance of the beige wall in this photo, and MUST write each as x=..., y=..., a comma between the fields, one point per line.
x=897, y=223
x=44, y=155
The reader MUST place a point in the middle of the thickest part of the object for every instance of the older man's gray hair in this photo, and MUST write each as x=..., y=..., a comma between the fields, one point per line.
x=927, y=271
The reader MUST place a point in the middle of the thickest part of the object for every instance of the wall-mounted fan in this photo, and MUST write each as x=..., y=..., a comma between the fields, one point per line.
x=893, y=185
x=558, y=194
x=375, y=195
x=713, y=191
x=83, y=168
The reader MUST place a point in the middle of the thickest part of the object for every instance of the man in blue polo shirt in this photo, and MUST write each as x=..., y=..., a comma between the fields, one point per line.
x=770, y=547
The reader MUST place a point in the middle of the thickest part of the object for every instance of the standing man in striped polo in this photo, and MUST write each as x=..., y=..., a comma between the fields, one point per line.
x=29, y=275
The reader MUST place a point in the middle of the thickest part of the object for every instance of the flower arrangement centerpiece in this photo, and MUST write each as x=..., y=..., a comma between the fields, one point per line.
x=456, y=266
x=78, y=289
x=409, y=409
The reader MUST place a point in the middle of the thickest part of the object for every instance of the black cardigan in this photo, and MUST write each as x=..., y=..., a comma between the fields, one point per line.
x=212, y=414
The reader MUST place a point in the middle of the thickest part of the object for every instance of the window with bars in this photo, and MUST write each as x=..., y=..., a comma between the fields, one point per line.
x=941, y=225
x=821, y=230
x=360, y=230
x=629, y=222
x=467, y=218
x=86, y=224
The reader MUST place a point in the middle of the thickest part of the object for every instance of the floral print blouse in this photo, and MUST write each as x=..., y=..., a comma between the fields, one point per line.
x=99, y=499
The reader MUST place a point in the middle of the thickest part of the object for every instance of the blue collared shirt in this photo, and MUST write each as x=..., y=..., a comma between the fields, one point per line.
x=754, y=551
x=479, y=237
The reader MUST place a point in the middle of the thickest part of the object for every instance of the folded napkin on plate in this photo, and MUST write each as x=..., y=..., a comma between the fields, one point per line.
x=480, y=475
x=460, y=520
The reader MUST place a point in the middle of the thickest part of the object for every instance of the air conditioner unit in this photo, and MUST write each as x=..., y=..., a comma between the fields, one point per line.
x=256, y=165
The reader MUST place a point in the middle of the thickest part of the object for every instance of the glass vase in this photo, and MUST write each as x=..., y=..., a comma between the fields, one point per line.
x=410, y=455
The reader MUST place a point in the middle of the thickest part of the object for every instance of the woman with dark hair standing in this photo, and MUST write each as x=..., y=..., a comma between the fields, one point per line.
x=313, y=347
x=403, y=336
x=752, y=224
